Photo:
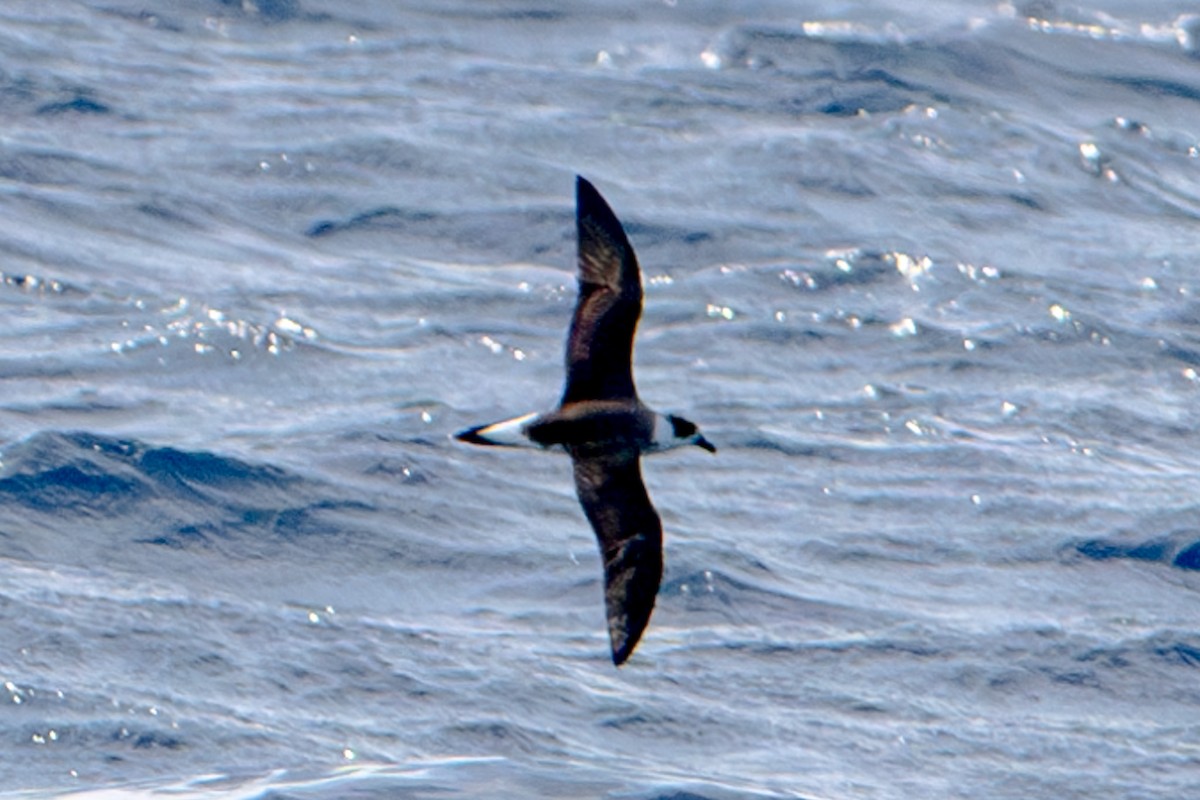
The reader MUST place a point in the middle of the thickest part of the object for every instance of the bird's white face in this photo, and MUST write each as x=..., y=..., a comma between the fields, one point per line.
x=665, y=437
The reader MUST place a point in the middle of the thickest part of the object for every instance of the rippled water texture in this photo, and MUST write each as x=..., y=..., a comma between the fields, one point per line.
x=926, y=276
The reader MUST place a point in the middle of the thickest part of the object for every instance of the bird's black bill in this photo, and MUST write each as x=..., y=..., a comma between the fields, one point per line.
x=706, y=444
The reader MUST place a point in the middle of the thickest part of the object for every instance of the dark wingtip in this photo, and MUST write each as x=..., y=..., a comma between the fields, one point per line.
x=632, y=573
x=590, y=203
x=587, y=198
x=623, y=643
x=583, y=188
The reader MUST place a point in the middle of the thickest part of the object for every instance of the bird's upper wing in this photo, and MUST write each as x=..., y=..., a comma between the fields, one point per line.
x=614, y=499
x=600, y=343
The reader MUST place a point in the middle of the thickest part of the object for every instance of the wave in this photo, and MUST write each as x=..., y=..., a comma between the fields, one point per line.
x=76, y=496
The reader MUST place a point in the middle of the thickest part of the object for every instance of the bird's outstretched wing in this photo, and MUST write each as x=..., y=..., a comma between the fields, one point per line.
x=614, y=499
x=600, y=343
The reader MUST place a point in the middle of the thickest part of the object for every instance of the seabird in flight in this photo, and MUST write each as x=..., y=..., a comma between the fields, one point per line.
x=603, y=426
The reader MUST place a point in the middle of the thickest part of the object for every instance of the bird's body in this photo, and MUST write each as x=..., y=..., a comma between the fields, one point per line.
x=601, y=423
x=605, y=425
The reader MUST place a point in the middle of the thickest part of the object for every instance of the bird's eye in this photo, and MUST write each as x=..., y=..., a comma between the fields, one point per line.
x=682, y=428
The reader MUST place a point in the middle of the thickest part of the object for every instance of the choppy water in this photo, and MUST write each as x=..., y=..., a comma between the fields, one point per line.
x=927, y=277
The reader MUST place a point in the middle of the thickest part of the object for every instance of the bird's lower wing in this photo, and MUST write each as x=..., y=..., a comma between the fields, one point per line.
x=614, y=499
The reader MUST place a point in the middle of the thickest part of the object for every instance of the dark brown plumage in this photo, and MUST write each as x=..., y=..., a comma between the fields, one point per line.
x=614, y=498
x=603, y=425
x=600, y=367
x=600, y=342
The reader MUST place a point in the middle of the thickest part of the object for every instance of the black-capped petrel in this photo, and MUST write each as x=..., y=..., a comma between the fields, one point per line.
x=603, y=425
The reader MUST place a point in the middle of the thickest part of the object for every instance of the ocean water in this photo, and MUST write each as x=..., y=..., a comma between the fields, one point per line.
x=927, y=277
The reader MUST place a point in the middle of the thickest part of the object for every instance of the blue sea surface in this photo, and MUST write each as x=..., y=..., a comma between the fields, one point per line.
x=927, y=276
